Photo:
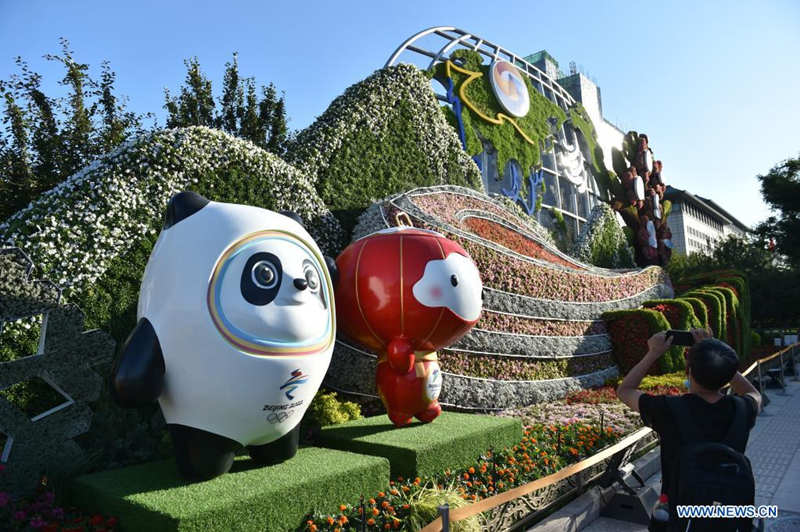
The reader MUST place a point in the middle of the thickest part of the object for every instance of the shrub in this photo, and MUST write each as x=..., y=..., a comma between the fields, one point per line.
x=384, y=135
x=630, y=330
x=699, y=308
x=602, y=241
x=716, y=309
x=424, y=508
x=325, y=409
x=755, y=339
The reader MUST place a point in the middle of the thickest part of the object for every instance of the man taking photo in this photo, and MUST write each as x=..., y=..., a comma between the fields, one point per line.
x=703, y=433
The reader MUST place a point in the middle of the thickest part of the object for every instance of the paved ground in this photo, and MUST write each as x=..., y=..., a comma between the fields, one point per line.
x=774, y=451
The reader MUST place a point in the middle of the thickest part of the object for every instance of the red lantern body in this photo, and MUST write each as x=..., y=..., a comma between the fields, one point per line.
x=404, y=293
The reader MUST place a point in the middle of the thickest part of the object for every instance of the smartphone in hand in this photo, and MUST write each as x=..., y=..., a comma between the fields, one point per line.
x=680, y=337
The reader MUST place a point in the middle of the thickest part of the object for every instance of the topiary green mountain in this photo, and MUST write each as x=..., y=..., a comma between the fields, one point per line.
x=384, y=135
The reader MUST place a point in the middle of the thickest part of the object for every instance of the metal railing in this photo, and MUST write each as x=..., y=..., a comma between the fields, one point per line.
x=622, y=451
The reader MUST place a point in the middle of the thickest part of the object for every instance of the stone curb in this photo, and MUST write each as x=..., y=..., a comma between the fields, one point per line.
x=526, y=345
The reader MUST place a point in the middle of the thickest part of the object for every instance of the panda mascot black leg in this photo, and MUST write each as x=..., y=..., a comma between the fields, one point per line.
x=201, y=455
x=277, y=451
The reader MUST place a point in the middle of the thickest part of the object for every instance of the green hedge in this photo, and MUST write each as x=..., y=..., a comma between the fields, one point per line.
x=699, y=308
x=152, y=497
x=629, y=331
x=715, y=303
x=451, y=441
x=737, y=282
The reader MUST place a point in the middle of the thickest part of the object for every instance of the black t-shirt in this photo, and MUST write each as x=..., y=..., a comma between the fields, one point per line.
x=712, y=419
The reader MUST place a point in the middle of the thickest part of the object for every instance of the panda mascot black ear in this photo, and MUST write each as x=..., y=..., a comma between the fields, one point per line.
x=333, y=269
x=294, y=216
x=181, y=206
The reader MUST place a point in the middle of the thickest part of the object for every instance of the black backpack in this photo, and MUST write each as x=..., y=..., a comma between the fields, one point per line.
x=708, y=472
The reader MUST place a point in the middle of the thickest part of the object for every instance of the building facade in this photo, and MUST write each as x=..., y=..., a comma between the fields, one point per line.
x=698, y=223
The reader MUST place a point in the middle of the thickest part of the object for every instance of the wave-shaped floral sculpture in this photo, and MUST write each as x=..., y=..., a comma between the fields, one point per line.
x=540, y=335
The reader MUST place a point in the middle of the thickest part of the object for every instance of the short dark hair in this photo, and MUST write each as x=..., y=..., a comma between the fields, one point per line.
x=713, y=363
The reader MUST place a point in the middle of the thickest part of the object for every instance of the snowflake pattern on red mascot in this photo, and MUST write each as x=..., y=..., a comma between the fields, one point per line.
x=404, y=293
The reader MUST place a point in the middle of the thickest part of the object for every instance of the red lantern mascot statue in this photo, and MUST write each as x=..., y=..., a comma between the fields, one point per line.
x=404, y=293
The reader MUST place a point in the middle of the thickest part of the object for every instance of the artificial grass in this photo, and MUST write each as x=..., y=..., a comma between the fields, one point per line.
x=451, y=441
x=153, y=497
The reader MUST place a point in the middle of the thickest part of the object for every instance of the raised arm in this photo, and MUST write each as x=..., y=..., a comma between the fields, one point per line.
x=627, y=390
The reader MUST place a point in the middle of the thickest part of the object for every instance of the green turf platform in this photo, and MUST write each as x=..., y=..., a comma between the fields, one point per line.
x=152, y=497
x=452, y=440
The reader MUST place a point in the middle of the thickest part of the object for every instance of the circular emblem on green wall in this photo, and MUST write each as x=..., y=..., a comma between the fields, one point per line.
x=509, y=88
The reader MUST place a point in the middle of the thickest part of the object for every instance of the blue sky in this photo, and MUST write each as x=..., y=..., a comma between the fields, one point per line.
x=714, y=84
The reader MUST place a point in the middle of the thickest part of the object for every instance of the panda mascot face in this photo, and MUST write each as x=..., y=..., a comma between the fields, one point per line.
x=270, y=295
x=235, y=333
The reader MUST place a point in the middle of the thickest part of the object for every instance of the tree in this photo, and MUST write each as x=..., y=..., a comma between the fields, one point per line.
x=78, y=129
x=263, y=122
x=195, y=104
x=780, y=188
x=231, y=111
x=46, y=139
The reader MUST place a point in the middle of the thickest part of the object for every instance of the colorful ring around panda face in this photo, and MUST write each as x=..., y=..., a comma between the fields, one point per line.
x=249, y=342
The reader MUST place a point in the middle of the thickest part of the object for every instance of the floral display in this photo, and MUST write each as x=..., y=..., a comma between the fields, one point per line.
x=544, y=449
x=41, y=512
x=384, y=135
x=513, y=240
x=75, y=230
x=613, y=414
x=520, y=368
x=513, y=274
x=500, y=321
x=602, y=241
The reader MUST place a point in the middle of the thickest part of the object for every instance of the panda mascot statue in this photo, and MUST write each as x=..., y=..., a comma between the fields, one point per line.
x=236, y=326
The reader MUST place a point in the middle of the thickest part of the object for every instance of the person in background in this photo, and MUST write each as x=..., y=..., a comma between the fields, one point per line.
x=710, y=365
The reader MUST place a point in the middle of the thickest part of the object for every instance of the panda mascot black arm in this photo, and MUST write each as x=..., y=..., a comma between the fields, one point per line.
x=138, y=374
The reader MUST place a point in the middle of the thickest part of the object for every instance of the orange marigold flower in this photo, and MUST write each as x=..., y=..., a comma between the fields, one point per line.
x=375, y=511
x=381, y=495
x=343, y=520
x=313, y=528
x=387, y=526
x=372, y=501
x=471, y=470
x=342, y=507
x=466, y=476
x=405, y=507
x=330, y=520
x=385, y=504
x=370, y=521
x=406, y=489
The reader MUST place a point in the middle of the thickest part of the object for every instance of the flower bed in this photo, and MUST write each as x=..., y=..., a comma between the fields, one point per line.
x=495, y=232
x=519, y=368
x=498, y=321
x=43, y=513
x=544, y=449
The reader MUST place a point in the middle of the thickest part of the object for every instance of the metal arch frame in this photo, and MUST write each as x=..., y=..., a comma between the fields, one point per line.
x=455, y=36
